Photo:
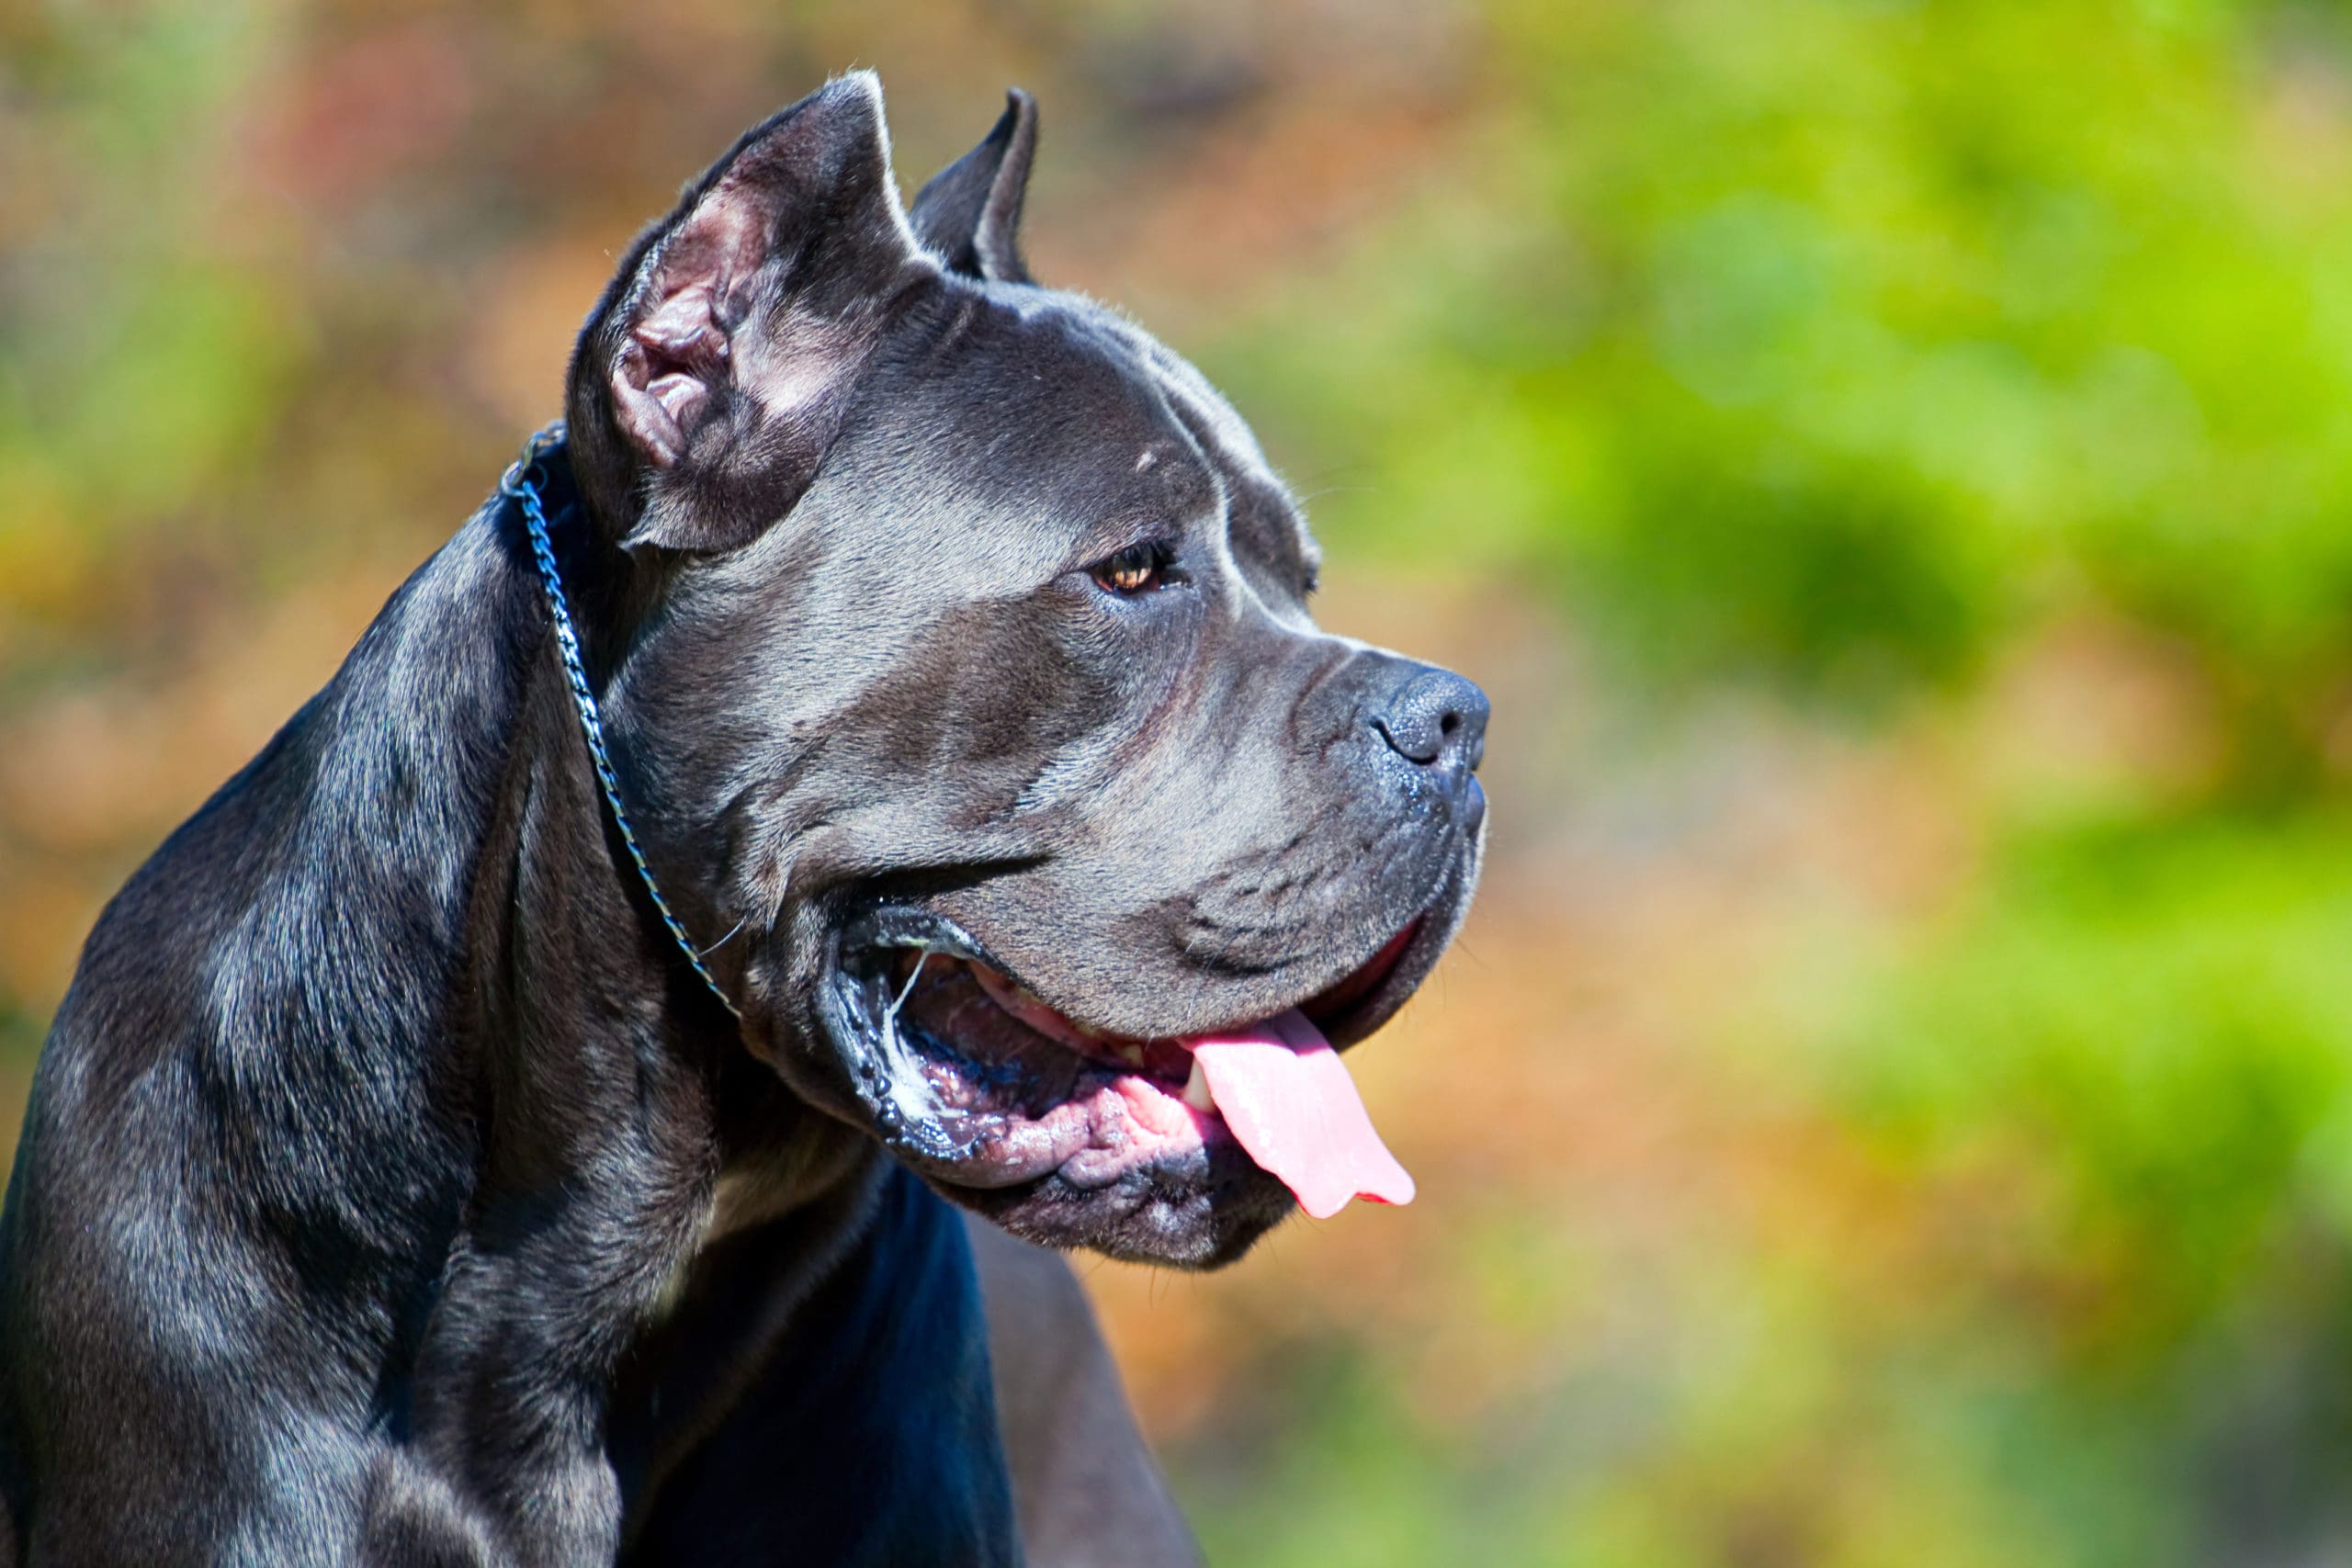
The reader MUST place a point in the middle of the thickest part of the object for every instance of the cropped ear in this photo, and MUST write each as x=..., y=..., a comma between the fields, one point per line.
x=715, y=374
x=970, y=215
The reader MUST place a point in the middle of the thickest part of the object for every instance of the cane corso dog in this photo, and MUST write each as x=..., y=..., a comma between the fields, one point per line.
x=395, y=1189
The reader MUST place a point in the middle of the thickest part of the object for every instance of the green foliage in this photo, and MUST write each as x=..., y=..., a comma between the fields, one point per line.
x=1832, y=342
x=2150, y=1022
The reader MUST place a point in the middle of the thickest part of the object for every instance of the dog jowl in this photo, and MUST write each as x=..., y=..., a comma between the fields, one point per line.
x=391, y=1182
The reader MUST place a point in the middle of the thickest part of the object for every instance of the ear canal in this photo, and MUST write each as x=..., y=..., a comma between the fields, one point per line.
x=675, y=351
x=970, y=213
x=713, y=377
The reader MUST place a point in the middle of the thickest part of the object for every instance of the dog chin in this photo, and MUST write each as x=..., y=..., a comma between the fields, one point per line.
x=1062, y=1134
x=1201, y=1212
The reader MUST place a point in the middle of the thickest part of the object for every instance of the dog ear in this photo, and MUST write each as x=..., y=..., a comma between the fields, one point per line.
x=715, y=373
x=969, y=214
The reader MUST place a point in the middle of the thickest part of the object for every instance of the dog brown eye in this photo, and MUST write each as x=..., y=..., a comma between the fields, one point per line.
x=1135, y=569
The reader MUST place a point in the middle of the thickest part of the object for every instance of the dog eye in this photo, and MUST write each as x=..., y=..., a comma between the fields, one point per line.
x=1138, y=568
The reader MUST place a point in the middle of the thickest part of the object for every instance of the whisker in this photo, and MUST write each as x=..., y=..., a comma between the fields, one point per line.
x=908, y=989
x=722, y=941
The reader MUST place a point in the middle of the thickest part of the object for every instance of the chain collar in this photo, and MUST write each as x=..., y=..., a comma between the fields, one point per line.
x=521, y=484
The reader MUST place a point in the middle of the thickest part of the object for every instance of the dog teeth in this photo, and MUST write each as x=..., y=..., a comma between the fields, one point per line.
x=1196, y=1089
x=1131, y=1055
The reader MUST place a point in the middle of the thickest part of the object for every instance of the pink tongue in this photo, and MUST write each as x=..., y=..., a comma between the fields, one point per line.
x=1288, y=1098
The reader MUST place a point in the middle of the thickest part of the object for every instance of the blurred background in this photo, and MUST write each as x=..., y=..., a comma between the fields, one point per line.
x=1891, y=462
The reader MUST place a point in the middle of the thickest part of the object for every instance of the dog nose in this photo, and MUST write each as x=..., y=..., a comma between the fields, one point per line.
x=1436, y=718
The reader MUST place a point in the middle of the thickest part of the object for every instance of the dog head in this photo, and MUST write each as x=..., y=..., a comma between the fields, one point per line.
x=959, y=663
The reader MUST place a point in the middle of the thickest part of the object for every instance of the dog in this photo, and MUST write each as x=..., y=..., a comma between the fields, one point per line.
x=411, y=1178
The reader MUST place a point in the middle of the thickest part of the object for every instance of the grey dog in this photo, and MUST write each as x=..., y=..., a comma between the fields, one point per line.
x=395, y=1190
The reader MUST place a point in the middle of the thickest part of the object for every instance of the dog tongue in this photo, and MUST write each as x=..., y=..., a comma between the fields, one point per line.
x=1289, y=1099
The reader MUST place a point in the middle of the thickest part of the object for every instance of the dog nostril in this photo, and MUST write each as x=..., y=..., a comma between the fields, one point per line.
x=1435, y=718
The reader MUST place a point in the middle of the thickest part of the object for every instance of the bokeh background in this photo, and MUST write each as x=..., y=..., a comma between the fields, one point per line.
x=1891, y=462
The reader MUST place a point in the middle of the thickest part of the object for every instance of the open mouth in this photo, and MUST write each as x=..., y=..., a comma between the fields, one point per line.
x=982, y=1085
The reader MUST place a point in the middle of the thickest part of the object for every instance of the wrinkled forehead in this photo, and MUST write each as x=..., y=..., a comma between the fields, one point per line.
x=1045, y=427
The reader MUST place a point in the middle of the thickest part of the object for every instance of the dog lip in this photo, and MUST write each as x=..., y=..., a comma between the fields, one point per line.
x=990, y=1147
x=943, y=1105
x=1419, y=944
x=1334, y=1004
x=896, y=925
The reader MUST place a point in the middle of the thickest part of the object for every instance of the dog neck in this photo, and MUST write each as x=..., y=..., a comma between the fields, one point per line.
x=410, y=910
x=618, y=1112
x=714, y=1232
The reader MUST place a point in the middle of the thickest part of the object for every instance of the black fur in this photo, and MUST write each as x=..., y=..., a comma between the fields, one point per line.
x=391, y=1191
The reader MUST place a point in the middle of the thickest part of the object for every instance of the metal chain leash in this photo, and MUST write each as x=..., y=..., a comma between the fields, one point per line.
x=521, y=484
